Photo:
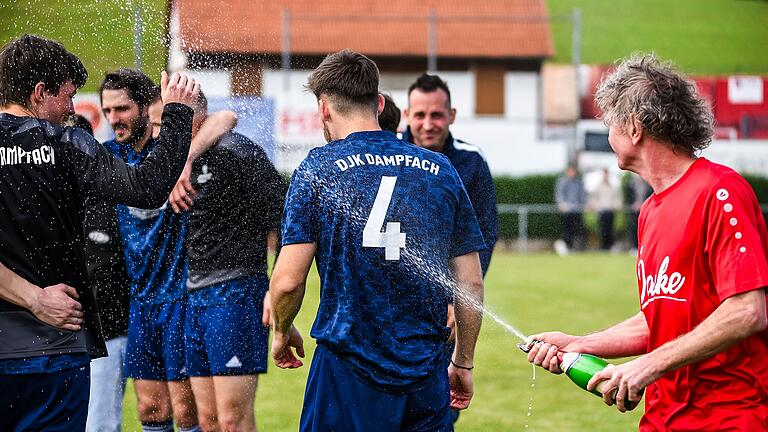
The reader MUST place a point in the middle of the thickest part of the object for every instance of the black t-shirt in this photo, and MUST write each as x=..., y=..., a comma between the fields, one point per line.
x=106, y=267
x=47, y=174
x=240, y=200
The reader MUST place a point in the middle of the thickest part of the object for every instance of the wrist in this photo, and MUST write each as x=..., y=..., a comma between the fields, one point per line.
x=461, y=366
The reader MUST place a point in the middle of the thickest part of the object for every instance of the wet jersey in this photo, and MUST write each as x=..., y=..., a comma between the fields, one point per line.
x=106, y=267
x=703, y=240
x=153, y=239
x=47, y=174
x=240, y=197
x=387, y=217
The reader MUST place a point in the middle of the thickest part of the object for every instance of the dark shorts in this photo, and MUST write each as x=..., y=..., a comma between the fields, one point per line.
x=56, y=401
x=227, y=337
x=336, y=400
x=155, y=349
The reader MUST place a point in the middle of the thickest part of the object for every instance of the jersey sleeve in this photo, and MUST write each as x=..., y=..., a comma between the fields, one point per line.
x=102, y=176
x=735, y=238
x=466, y=236
x=484, y=203
x=300, y=213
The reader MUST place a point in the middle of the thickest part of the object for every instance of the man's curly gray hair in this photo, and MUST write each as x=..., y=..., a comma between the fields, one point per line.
x=664, y=101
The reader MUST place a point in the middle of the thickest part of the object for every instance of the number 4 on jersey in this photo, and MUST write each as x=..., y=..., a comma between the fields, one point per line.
x=391, y=239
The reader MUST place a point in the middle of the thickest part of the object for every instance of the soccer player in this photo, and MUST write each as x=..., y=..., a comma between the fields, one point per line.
x=155, y=258
x=239, y=202
x=394, y=234
x=701, y=268
x=430, y=115
x=49, y=322
x=106, y=255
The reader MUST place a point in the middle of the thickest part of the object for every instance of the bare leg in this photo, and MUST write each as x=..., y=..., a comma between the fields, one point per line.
x=153, y=401
x=205, y=399
x=183, y=402
x=235, y=397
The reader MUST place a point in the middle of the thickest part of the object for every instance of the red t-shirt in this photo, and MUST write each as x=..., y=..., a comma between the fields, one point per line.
x=702, y=240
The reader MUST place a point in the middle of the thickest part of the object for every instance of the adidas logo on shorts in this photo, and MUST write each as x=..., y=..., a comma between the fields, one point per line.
x=234, y=362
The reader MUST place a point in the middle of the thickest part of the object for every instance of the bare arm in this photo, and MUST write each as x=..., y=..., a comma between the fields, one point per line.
x=627, y=338
x=286, y=292
x=55, y=305
x=736, y=318
x=468, y=311
x=212, y=129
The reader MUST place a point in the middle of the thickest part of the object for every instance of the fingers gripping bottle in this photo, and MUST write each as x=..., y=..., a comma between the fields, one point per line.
x=580, y=368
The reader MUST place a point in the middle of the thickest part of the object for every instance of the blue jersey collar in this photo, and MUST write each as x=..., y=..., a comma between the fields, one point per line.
x=381, y=135
x=447, y=144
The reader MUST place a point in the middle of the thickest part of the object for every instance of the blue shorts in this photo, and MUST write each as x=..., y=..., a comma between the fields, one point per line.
x=337, y=400
x=155, y=349
x=55, y=401
x=224, y=334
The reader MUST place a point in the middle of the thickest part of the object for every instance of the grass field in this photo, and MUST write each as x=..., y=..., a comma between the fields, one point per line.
x=702, y=36
x=533, y=293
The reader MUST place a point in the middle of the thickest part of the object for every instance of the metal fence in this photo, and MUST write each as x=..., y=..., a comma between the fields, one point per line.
x=523, y=212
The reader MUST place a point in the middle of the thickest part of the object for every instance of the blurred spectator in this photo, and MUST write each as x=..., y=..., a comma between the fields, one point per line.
x=571, y=196
x=636, y=191
x=389, y=119
x=605, y=199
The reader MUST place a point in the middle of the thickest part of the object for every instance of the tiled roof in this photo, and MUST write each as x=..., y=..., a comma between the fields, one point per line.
x=465, y=28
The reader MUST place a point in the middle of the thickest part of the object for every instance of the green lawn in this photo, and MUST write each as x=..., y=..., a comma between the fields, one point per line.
x=534, y=293
x=701, y=36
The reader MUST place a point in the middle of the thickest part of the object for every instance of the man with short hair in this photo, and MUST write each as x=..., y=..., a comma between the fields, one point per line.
x=239, y=202
x=394, y=236
x=106, y=254
x=47, y=334
x=701, y=268
x=430, y=115
x=389, y=119
x=155, y=257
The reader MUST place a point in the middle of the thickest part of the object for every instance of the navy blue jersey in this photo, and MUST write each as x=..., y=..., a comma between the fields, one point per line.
x=474, y=172
x=155, y=254
x=387, y=217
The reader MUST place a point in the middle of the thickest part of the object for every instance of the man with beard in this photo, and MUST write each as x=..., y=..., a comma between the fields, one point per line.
x=48, y=172
x=155, y=259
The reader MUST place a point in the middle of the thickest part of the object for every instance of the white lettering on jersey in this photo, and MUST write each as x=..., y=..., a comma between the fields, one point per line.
x=357, y=160
x=661, y=286
x=17, y=156
x=145, y=214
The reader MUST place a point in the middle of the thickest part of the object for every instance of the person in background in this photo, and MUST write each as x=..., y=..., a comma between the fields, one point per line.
x=570, y=197
x=636, y=191
x=389, y=119
x=430, y=114
x=605, y=200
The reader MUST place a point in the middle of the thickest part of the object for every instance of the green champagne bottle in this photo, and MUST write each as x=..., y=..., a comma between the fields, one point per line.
x=580, y=368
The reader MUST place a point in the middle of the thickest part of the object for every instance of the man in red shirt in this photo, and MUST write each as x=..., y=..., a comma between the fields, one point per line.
x=701, y=268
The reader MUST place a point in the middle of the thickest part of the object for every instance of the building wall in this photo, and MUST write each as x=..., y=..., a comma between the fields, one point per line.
x=510, y=141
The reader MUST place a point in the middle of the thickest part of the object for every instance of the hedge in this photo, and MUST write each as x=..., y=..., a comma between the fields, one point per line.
x=540, y=189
